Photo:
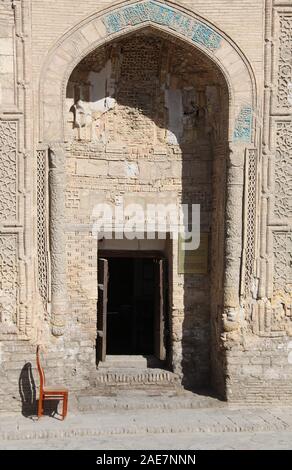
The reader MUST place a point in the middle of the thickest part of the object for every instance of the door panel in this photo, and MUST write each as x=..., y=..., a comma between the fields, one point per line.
x=144, y=303
x=159, y=328
x=102, y=308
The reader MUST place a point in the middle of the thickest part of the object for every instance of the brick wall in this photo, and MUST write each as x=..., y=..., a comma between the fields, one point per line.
x=135, y=157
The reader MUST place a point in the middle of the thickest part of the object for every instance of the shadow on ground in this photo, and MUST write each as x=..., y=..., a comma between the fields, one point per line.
x=27, y=392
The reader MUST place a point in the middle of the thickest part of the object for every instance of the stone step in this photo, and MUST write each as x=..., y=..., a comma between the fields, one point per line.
x=141, y=400
x=135, y=377
x=122, y=361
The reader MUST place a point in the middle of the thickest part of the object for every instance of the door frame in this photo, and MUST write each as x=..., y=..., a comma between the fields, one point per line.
x=131, y=254
x=153, y=254
x=101, y=310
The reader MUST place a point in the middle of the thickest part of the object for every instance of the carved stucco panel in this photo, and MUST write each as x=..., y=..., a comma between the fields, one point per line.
x=8, y=283
x=282, y=262
x=283, y=174
x=42, y=220
x=284, y=95
x=8, y=170
x=251, y=177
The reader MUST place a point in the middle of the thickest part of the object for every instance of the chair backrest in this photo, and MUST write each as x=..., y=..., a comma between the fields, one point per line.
x=40, y=369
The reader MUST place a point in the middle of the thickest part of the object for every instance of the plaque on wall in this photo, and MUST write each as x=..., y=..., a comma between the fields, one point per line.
x=193, y=261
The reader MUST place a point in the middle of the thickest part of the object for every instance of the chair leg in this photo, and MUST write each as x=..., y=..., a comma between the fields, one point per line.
x=65, y=405
x=40, y=406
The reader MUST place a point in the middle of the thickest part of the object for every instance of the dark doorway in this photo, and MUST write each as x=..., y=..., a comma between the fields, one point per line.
x=133, y=313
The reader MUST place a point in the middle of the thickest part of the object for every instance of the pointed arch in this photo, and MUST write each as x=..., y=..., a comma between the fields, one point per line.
x=126, y=17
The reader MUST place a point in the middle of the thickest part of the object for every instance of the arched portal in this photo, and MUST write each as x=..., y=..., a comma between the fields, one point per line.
x=130, y=16
x=173, y=120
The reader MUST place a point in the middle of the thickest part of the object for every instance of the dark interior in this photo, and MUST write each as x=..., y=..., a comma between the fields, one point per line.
x=131, y=306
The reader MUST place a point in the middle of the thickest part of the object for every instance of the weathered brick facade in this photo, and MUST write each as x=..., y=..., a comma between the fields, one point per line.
x=149, y=101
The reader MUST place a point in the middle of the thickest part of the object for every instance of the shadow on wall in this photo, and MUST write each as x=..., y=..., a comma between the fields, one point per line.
x=117, y=84
x=28, y=393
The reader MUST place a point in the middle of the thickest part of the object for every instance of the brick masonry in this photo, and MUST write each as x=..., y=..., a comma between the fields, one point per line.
x=198, y=110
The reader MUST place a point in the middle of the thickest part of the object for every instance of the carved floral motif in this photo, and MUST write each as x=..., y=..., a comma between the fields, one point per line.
x=250, y=219
x=283, y=175
x=282, y=262
x=8, y=283
x=8, y=169
x=42, y=225
x=284, y=95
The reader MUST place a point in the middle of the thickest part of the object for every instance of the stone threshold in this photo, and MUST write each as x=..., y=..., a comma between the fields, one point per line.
x=133, y=370
x=137, y=361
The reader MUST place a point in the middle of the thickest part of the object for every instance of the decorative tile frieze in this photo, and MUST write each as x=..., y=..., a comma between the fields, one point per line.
x=164, y=15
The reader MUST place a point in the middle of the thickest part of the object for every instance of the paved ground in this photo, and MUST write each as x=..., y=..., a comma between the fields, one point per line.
x=211, y=428
x=195, y=441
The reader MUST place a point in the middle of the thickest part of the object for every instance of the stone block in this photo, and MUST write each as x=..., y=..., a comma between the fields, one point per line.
x=117, y=169
x=91, y=167
x=6, y=47
x=6, y=64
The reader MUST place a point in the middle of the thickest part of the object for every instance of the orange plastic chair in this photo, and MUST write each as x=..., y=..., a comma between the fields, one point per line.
x=50, y=393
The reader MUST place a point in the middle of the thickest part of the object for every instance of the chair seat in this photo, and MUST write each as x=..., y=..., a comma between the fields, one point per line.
x=56, y=389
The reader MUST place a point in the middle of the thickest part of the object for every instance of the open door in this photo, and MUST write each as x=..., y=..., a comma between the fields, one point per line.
x=102, y=308
x=159, y=342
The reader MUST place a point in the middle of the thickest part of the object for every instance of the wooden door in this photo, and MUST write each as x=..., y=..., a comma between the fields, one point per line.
x=159, y=322
x=102, y=308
